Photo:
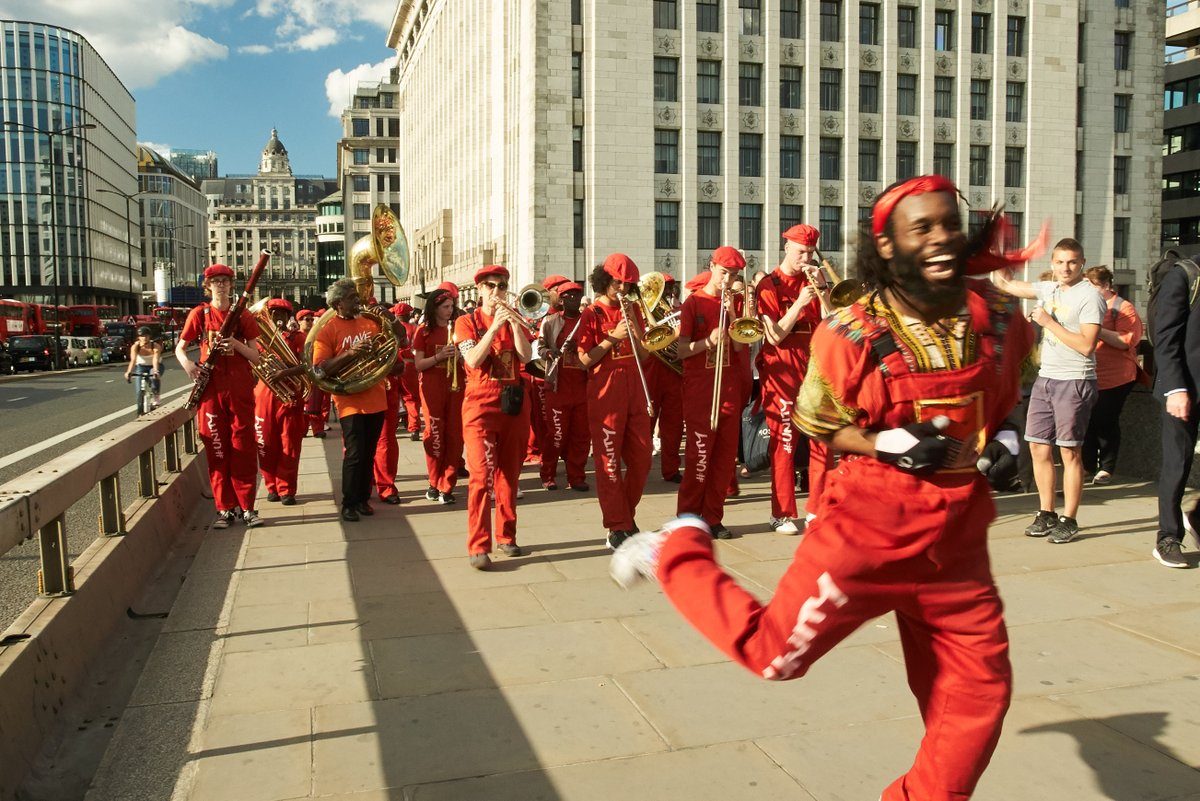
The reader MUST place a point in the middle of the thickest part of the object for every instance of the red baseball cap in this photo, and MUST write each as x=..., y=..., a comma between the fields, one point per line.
x=450, y=288
x=728, y=257
x=304, y=314
x=568, y=286
x=401, y=308
x=552, y=282
x=622, y=268
x=217, y=271
x=489, y=270
x=279, y=303
x=700, y=281
x=802, y=235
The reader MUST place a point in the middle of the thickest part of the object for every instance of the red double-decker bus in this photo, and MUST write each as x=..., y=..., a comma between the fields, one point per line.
x=49, y=319
x=88, y=319
x=16, y=319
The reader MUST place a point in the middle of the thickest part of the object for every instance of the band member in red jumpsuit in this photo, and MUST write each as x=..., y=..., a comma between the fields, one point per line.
x=666, y=391
x=387, y=451
x=790, y=309
x=567, y=434
x=908, y=383
x=710, y=456
x=316, y=408
x=443, y=379
x=410, y=392
x=278, y=426
x=226, y=412
x=494, y=342
x=617, y=400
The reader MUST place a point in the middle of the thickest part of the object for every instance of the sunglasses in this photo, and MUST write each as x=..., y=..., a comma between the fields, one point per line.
x=502, y=285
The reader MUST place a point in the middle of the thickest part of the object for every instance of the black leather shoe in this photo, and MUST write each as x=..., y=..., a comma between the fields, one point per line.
x=320, y=435
x=415, y=436
x=272, y=496
x=365, y=508
x=391, y=499
x=349, y=514
x=675, y=479
x=289, y=500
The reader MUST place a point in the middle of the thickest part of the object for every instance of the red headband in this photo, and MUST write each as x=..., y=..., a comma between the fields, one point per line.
x=914, y=186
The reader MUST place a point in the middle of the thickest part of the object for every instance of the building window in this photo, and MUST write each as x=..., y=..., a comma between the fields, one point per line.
x=981, y=33
x=750, y=226
x=1016, y=225
x=1014, y=166
x=906, y=26
x=979, y=165
x=577, y=148
x=790, y=214
x=791, y=157
x=1079, y=98
x=1081, y=44
x=906, y=160
x=750, y=84
x=666, y=79
x=831, y=20
x=1122, y=44
x=1014, y=102
x=666, y=225
x=360, y=127
x=1078, y=173
x=578, y=223
x=666, y=14
x=868, y=92
x=750, y=155
x=1016, y=37
x=831, y=159
x=980, y=99
x=943, y=159
x=708, y=17
x=831, y=90
x=751, y=17
x=708, y=225
x=831, y=227
x=976, y=220
x=708, y=152
x=1121, y=108
x=1121, y=175
x=868, y=24
x=576, y=12
x=868, y=159
x=708, y=81
x=789, y=19
x=577, y=75
x=791, y=87
x=943, y=30
x=906, y=95
x=362, y=156
x=362, y=183
x=666, y=151
x=1120, y=237
x=362, y=211
x=943, y=97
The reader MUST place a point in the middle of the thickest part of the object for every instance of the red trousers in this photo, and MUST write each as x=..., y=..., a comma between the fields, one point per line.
x=620, y=429
x=567, y=437
x=710, y=456
x=535, y=390
x=226, y=424
x=278, y=432
x=820, y=462
x=919, y=550
x=666, y=389
x=443, y=438
x=316, y=410
x=387, y=452
x=778, y=403
x=411, y=393
x=495, y=444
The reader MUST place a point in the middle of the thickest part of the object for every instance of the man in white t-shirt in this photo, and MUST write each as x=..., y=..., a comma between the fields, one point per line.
x=1069, y=311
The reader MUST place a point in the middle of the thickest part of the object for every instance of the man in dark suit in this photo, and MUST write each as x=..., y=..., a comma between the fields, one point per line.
x=1177, y=359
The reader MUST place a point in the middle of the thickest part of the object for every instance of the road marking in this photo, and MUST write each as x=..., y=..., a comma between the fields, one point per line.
x=33, y=450
x=14, y=400
x=109, y=381
x=68, y=389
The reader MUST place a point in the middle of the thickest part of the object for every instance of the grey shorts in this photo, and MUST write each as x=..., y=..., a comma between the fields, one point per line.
x=1059, y=411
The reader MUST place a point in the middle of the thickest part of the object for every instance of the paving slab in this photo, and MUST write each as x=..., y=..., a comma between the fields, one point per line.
x=293, y=678
x=263, y=757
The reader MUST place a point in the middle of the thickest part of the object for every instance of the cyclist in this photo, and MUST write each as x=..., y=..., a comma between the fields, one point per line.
x=145, y=356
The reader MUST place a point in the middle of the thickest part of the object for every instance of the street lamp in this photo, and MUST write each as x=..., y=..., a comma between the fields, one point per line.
x=134, y=306
x=68, y=130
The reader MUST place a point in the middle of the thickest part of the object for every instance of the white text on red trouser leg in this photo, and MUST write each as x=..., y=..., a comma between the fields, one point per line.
x=610, y=453
x=435, y=437
x=785, y=424
x=701, y=456
x=558, y=428
x=214, y=436
x=259, y=437
x=812, y=615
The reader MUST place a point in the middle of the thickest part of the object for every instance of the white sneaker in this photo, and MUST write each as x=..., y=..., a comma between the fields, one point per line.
x=657, y=445
x=784, y=525
x=637, y=556
x=808, y=518
x=1102, y=477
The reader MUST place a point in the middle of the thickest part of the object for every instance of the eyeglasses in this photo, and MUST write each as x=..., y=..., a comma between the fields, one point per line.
x=501, y=285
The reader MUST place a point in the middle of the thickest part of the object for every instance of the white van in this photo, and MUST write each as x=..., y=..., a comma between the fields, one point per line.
x=79, y=351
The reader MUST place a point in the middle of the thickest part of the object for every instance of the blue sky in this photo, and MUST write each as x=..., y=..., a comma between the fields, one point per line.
x=219, y=74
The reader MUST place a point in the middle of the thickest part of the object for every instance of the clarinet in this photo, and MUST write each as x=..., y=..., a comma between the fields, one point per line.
x=235, y=314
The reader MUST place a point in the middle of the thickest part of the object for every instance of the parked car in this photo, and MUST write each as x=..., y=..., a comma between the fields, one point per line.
x=114, y=349
x=31, y=352
x=79, y=351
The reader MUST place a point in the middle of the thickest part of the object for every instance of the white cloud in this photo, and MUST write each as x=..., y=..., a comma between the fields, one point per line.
x=162, y=150
x=340, y=86
x=255, y=49
x=314, y=24
x=316, y=39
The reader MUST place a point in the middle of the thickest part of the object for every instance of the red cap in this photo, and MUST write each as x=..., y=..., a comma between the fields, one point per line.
x=450, y=288
x=490, y=270
x=622, y=268
x=218, y=270
x=728, y=257
x=304, y=314
x=668, y=278
x=401, y=308
x=552, y=281
x=699, y=282
x=920, y=185
x=279, y=303
x=568, y=286
x=802, y=235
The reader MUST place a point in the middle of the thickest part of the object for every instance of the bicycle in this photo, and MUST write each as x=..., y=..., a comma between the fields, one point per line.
x=145, y=401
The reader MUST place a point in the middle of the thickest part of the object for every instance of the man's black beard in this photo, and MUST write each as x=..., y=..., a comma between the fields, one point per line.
x=938, y=299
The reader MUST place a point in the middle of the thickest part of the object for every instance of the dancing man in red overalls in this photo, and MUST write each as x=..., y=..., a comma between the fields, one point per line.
x=567, y=435
x=908, y=383
x=442, y=382
x=226, y=413
x=617, y=400
x=278, y=426
x=494, y=342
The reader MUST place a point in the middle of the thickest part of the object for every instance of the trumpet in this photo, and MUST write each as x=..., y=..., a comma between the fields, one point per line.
x=452, y=362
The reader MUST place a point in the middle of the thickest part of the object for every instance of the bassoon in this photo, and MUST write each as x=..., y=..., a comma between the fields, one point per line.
x=227, y=328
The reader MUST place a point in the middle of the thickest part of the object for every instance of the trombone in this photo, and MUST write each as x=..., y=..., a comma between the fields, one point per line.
x=624, y=300
x=714, y=414
x=833, y=292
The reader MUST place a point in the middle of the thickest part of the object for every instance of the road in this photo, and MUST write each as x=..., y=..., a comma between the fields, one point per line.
x=43, y=416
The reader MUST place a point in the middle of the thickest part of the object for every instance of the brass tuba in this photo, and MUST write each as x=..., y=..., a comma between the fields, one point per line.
x=367, y=370
x=663, y=323
x=277, y=356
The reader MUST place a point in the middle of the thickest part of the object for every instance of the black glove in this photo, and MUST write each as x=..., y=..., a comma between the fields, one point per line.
x=917, y=447
x=999, y=464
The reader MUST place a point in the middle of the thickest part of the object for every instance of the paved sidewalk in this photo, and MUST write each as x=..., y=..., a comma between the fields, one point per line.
x=312, y=658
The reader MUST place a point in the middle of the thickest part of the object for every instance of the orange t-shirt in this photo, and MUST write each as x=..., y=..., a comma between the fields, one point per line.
x=337, y=336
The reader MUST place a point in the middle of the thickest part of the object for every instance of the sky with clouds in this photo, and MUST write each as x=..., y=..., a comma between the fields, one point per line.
x=219, y=74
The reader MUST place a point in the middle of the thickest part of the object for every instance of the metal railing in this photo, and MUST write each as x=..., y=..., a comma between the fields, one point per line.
x=36, y=503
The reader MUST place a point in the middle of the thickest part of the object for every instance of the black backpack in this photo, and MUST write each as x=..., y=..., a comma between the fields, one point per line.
x=1158, y=272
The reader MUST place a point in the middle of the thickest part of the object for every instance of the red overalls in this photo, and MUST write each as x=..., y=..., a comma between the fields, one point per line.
x=495, y=441
x=566, y=411
x=442, y=410
x=887, y=540
x=409, y=386
x=316, y=410
x=666, y=390
x=225, y=417
x=279, y=431
x=387, y=451
x=618, y=419
x=710, y=456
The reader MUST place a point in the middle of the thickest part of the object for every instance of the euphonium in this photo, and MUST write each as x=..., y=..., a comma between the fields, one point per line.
x=748, y=329
x=663, y=323
x=365, y=371
x=276, y=357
